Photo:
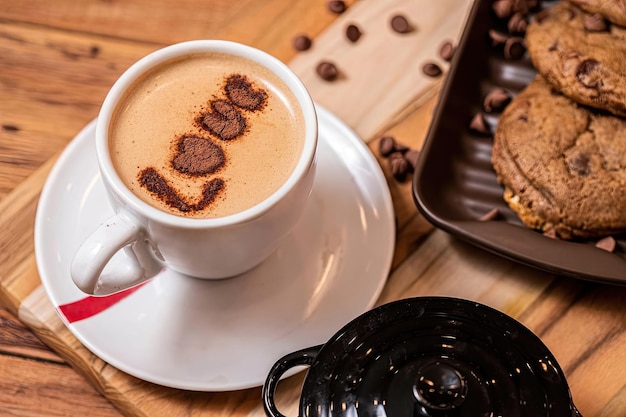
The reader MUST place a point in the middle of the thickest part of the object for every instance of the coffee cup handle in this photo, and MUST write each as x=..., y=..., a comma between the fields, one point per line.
x=115, y=257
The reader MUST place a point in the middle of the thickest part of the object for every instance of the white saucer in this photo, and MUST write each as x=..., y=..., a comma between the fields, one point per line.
x=225, y=335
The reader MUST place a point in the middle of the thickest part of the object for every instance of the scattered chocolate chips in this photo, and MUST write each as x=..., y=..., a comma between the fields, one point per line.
x=336, y=6
x=224, y=121
x=588, y=73
x=446, y=51
x=514, y=48
x=302, y=43
x=400, y=24
x=496, y=100
x=497, y=38
x=399, y=166
x=431, y=69
x=241, y=93
x=517, y=23
x=502, y=8
x=198, y=156
x=478, y=124
x=492, y=214
x=402, y=160
x=353, y=33
x=607, y=243
x=387, y=145
x=595, y=23
x=327, y=70
x=411, y=157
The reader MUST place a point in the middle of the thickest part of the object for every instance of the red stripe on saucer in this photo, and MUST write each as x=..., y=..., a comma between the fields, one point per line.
x=90, y=306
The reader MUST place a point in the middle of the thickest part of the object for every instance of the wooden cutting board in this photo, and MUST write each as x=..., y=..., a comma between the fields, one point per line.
x=381, y=83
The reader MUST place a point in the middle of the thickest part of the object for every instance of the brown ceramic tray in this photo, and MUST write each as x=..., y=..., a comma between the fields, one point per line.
x=454, y=183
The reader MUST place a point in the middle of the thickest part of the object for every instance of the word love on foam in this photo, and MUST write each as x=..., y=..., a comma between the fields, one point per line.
x=199, y=156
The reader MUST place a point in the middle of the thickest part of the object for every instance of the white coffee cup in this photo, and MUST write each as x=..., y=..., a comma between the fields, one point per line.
x=140, y=240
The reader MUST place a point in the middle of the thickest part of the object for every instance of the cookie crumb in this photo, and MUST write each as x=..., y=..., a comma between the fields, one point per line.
x=607, y=243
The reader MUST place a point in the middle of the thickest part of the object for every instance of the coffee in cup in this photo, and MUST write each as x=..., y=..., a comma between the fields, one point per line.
x=207, y=152
x=206, y=135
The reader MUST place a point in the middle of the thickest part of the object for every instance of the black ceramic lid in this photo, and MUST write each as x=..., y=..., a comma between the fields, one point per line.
x=435, y=356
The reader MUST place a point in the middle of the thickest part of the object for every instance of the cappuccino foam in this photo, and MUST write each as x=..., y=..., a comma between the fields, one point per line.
x=207, y=135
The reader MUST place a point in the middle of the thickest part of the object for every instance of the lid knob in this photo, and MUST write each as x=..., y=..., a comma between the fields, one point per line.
x=439, y=386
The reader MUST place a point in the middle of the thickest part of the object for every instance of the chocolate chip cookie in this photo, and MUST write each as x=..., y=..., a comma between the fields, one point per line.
x=585, y=64
x=612, y=10
x=562, y=165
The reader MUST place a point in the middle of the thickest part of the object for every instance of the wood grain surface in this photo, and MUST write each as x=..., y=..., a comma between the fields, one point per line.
x=57, y=61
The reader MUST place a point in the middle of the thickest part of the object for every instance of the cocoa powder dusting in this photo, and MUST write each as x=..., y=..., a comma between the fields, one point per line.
x=198, y=156
x=224, y=121
x=242, y=94
x=161, y=189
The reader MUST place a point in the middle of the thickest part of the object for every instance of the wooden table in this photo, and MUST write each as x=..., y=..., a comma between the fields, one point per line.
x=57, y=61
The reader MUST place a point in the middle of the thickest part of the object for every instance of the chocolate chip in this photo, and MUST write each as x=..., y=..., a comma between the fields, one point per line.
x=554, y=46
x=431, y=69
x=595, y=23
x=336, y=6
x=412, y=157
x=446, y=51
x=607, y=243
x=514, y=48
x=517, y=23
x=478, y=124
x=580, y=164
x=497, y=38
x=399, y=166
x=387, y=145
x=353, y=33
x=327, y=71
x=198, y=156
x=242, y=94
x=302, y=42
x=588, y=74
x=492, y=214
x=496, y=100
x=400, y=24
x=502, y=8
x=224, y=121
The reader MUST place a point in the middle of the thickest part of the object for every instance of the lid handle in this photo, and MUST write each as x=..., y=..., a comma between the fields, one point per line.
x=439, y=387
